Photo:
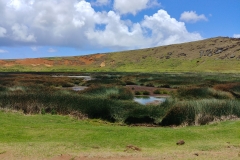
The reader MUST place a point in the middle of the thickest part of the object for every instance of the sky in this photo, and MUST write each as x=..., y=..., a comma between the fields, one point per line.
x=50, y=28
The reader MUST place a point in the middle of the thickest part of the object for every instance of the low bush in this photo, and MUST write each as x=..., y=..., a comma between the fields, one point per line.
x=150, y=85
x=137, y=93
x=67, y=85
x=146, y=93
x=157, y=91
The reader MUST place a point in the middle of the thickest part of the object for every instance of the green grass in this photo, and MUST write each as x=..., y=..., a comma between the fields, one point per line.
x=50, y=135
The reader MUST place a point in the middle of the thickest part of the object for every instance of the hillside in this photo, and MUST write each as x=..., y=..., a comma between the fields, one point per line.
x=220, y=54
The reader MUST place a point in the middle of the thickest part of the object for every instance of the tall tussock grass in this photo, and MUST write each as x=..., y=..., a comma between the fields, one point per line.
x=105, y=102
x=205, y=92
x=203, y=111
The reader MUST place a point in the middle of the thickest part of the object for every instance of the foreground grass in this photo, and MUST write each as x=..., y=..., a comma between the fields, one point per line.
x=46, y=136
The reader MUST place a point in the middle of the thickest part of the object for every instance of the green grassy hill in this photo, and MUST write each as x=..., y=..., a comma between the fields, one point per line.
x=219, y=54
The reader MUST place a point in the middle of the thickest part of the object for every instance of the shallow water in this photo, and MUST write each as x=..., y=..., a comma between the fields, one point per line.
x=78, y=88
x=86, y=78
x=149, y=99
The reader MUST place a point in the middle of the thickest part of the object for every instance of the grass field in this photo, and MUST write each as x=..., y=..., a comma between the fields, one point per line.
x=48, y=136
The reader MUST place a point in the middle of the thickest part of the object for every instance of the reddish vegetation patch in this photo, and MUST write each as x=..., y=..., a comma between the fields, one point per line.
x=225, y=87
x=75, y=61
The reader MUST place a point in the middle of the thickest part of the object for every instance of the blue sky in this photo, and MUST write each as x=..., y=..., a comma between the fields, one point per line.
x=43, y=28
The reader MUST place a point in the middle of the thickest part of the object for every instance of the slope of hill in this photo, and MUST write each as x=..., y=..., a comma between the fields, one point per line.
x=221, y=54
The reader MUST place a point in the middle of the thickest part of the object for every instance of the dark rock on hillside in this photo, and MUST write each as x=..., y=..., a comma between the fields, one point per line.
x=237, y=50
x=232, y=56
x=208, y=51
x=225, y=49
x=182, y=54
x=201, y=53
x=168, y=57
x=218, y=51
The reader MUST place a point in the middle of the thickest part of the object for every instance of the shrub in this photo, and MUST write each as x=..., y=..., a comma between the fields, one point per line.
x=146, y=93
x=53, y=112
x=165, y=86
x=157, y=91
x=137, y=93
x=150, y=85
x=130, y=83
x=43, y=111
x=67, y=85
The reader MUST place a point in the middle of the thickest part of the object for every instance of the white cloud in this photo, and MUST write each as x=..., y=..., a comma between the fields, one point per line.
x=118, y=34
x=192, y=17
x=20, y=33
x=167, y=30
x=3, y=51
x=51, y=50
x=75, y=23
x=163, y=30
x=101, y=2
x=3, y=31
x=236, y=36
x=133, y=6
x=16, y=4
x=153, y=3
x=34, y=48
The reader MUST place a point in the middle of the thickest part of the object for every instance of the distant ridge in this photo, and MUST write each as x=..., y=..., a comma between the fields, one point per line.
x=220, y=54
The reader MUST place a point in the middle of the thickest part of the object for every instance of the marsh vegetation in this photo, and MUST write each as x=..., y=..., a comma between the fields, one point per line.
x=194, y=98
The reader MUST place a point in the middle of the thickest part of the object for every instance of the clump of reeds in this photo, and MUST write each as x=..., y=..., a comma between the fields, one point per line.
x=196, y=111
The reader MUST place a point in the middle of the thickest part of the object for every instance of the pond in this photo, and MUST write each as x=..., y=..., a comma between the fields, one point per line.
x=86, y=78
x=149, y=100
x=78, y=88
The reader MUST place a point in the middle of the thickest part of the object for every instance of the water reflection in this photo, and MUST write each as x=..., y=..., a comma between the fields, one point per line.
x=149, y=100
x=79, y=88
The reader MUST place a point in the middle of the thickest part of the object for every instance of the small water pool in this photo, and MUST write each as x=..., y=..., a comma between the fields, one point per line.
x=79, y=88
x=149, y=100
x=86, y=78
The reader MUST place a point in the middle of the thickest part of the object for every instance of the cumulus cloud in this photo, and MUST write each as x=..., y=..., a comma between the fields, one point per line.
x=20, y=33
x=3, y=51
x=34, y=48
x=75, y=23
x=133, y=6
x=236, y=36
x=3, y=31
x=192, y=17
x=51, y=50
x=167, y=30
x=101, y=2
